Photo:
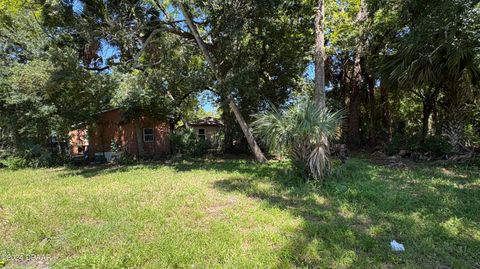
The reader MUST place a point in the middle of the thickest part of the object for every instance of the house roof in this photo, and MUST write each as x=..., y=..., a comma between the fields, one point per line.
x=208, y=121
x=83, y=124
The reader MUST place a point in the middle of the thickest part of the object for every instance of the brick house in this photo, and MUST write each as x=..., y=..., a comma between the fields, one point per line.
x=144, y=136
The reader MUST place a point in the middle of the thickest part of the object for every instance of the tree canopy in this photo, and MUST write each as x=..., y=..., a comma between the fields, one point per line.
x=397, y=67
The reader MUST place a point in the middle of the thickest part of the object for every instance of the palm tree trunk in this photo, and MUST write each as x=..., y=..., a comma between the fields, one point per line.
x=320, y=54
x=427, y=111
x=257, y=152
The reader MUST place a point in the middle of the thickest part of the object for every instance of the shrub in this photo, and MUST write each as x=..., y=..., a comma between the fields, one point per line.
x=400, y=142
x=437, y=145
x=125, y=159
x=13, y=162
x=32, y=155
x=217, y=141
x=201, y=148
x=183, y=140
x=38, y=156
x=302, y=131
x=119, y=156
x=472, y=136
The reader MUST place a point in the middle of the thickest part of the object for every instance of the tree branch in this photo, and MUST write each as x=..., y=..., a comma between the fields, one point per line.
x=199, y=40
x=98, y=68
x=144, y=45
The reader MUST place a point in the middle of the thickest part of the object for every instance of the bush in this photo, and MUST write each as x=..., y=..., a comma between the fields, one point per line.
x=119, y=156
x=201, y=148
x=38, y=156
x=13, y=162
x=124, y=159
x=398, y=143
x=31, y=155
x=183, y=140
x=302, y=131
x=437, y=145
x=217, y=142
x=472, y=136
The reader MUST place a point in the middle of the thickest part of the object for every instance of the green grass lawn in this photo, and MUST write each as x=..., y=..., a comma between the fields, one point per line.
x=238, y=214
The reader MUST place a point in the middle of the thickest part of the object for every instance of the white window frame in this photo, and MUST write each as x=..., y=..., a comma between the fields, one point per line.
x=149, y=135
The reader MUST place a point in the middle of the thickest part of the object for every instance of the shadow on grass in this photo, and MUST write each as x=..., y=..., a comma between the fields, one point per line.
x=350, y=220
x=243, y=166
x=90, y=171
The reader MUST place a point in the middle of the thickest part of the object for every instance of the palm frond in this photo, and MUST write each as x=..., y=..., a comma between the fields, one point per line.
x=303, y=131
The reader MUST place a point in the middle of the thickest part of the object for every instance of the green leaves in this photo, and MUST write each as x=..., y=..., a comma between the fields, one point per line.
x=438, y=47
x=301, y=131
x=43, y=87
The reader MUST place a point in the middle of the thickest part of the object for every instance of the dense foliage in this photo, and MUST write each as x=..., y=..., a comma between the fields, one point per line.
x=401, y=69
x=43, y=88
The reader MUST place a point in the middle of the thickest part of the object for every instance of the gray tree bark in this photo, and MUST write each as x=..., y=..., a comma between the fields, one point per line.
x=257, y=152
x=139, y=137
x=320, y=64
x=353, y=136
x=320, y=54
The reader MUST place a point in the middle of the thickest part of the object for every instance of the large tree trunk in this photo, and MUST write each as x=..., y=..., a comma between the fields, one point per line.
x=320, y=54
x=386, y=122
x=429, y=99
x=229, y=126
x=435, y=121
x=320, y=66
x=177, y=109
x=139, y=138
x=354, y=105
x=372, y=119
x=427, y=111
x=241, y=121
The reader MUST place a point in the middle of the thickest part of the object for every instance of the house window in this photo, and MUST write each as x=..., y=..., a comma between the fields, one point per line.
x=201, y=134
x=147, y=134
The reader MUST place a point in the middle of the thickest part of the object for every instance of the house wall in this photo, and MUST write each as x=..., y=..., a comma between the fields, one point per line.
x=78, y=141
x=210, y=131
x=110, y=127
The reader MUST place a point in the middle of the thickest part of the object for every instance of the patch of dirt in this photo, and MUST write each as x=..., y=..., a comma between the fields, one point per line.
x=363, y=224
x=450, y=173
x=30, y=261
x=219, y=207
x=148, y=233
x=4, y=216
x=91, y=221
x=393, y=162
x=443, y=266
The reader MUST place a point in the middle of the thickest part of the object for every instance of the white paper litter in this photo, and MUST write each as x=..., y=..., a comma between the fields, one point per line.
x=397, y=246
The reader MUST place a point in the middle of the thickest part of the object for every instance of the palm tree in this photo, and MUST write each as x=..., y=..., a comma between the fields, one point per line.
x=299, y=132
x=437, y=56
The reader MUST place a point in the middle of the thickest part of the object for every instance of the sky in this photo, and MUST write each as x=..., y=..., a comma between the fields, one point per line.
x=209, y=107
